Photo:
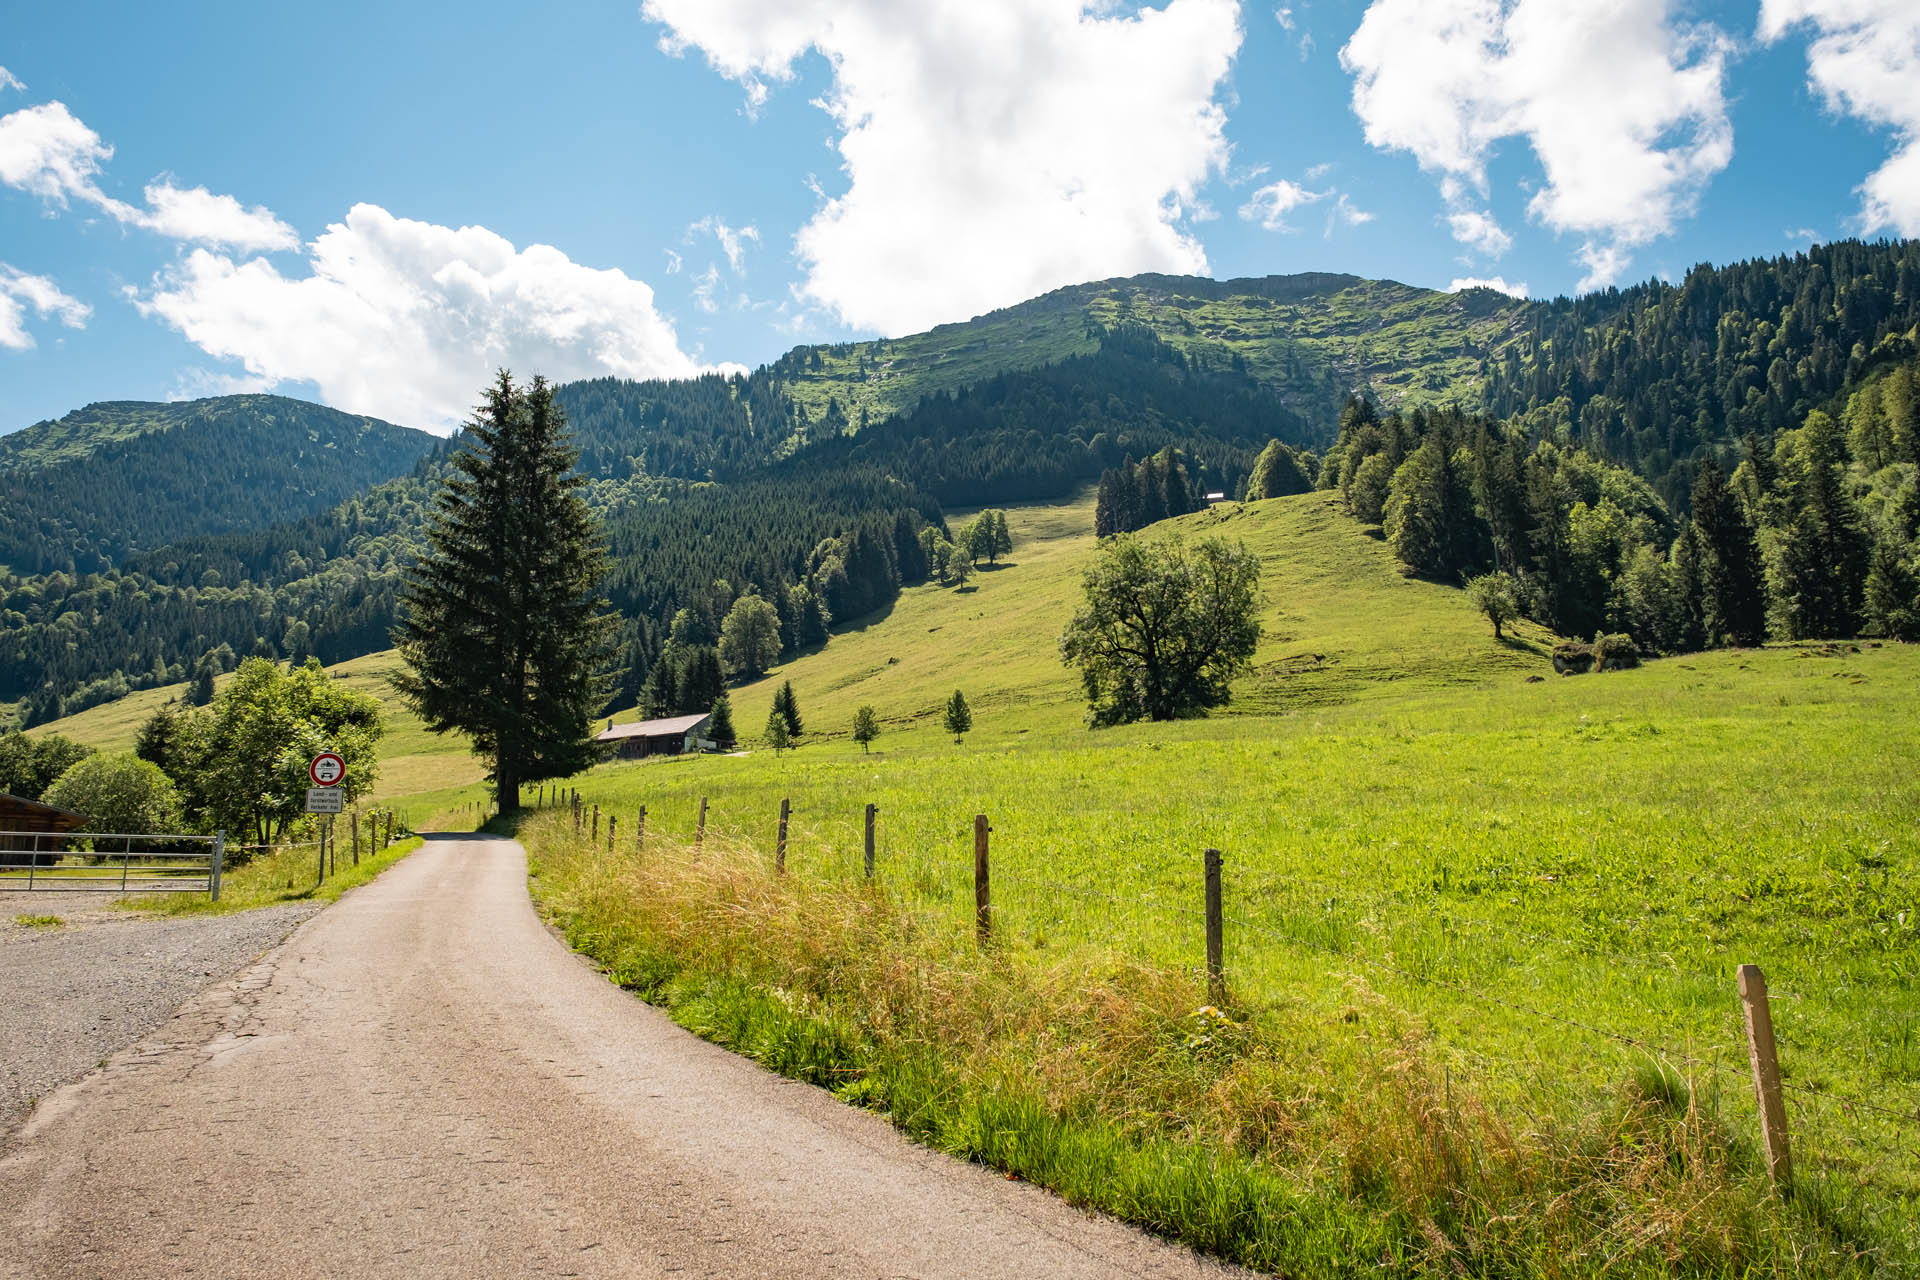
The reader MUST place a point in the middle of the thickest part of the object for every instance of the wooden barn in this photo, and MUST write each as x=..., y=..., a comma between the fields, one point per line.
x=676, y=735
x=22, y=820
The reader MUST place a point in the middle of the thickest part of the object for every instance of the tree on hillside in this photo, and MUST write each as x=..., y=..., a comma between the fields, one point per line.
x=1276, y=473
x=1736, y=598
x=1492, y=594
x=788, y=708
x=1002, y=538
x=1165, y=629
x=779, y=737
x=959, y=716
x=866, y=727
x=28, y=766
x=201, y=693
x=118, y=793
x=720, y=728
x=750, y=637
x=502, y=623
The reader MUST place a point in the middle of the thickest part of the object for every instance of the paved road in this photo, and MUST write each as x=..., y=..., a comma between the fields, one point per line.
x=422, y=1082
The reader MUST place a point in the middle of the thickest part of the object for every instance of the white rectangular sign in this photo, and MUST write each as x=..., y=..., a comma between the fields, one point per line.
x=326, y=800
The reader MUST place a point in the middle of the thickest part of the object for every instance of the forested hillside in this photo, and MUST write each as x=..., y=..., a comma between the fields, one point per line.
x=1660, y=376
x=810, y=481
x=84, y=492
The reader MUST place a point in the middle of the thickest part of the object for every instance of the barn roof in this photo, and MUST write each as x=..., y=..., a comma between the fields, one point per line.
x=671, y=727
x=19, y=814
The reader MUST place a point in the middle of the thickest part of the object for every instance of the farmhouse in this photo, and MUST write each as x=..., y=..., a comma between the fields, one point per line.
x=674, y=736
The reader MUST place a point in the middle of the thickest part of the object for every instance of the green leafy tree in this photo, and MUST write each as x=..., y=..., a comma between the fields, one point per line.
x=248, y=773
x=720, y=728
x=159, y=739
x=750, y=637
x=779, y=737
x=866, y=727
x=1277, y=472
x=1492, y=594
x=503, y=628
x=1164, y=630
x=1002, y=538
x=959, y=716
x=118, y=793
x=28, y=766
x=789, y=708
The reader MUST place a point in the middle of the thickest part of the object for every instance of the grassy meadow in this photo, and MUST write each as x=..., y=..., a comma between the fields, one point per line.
x=1532, y=892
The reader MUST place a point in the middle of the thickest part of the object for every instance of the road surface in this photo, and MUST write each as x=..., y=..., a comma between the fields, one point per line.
x=422, y=1081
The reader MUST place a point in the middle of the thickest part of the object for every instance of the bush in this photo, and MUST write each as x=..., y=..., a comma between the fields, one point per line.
x=1571, y=658
x=1616, y=653
x=118, y=793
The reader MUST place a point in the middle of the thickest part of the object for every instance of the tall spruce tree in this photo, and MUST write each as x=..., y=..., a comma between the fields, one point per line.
x=1736, y=598
x=502, y=622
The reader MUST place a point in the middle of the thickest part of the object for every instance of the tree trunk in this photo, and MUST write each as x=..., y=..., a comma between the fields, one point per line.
x=506, y=788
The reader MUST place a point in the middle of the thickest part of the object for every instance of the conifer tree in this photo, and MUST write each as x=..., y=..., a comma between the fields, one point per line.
x=1002, y=538
x=779, y=737
x=1736, y=602
x=959, y=716
x=720, y=728
x=502, y=623
x=789, y=708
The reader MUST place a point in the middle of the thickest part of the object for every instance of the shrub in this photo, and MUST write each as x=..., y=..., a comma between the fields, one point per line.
x=1570, y=657
x=1616, y=653
x=120, y=793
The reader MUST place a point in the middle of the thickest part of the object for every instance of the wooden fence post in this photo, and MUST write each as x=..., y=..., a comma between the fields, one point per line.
x=640, y=831
x=780, y=848
x=1766, y=1075
x=872, y=809
x=596, y=823
x=700, y=832
x=354, y=819
x=1216, y=981
x=982, y=893
x=612, y=822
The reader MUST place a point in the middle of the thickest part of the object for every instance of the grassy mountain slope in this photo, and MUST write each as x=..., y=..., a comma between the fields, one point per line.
x=1311, y=338
x=116, y=478
x=1341, y=622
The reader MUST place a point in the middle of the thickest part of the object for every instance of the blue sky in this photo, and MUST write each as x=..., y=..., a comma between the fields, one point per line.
x=375, y=210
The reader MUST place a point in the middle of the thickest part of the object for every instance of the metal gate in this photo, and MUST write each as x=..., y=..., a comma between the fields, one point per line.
x=110, y=862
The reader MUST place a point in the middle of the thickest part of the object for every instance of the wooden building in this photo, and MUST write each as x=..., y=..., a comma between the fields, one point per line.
x=676, y=735
x=21, y=820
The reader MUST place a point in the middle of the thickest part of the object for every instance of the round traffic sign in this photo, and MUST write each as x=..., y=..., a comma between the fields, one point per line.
x=327, y=769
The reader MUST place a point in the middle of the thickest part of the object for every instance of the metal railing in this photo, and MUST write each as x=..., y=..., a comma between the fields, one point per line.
x=110, y=862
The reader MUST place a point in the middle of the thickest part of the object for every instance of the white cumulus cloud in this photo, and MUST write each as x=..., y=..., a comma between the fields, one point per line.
x=1477, y=229
x=1270, y=205
x=49, y=152
x=197, y=216
x=1518, y=289
x=19, y=291
x=993, y=149
x=1865, y=61
x=8, y=80
x=407, y=320
x=1623, y=105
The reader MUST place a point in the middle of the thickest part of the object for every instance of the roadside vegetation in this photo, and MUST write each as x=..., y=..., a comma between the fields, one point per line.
x=282, y=875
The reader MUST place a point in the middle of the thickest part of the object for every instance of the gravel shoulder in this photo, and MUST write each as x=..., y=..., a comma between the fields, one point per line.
x=73, y=995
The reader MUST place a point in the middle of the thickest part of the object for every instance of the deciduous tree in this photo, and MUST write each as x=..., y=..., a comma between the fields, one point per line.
x=866, y=727
x=1165, y=629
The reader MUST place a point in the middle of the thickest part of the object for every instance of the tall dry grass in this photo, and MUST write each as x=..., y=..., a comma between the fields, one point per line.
x=1286, y=1138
